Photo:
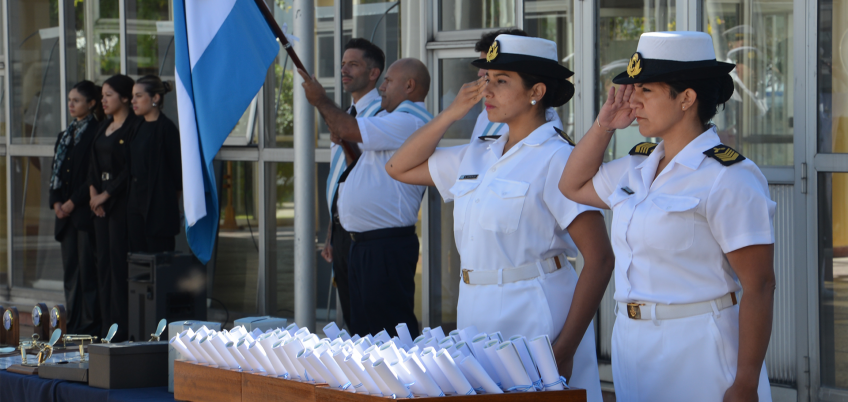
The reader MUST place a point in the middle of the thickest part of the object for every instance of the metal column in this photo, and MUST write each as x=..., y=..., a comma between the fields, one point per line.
x=304, y=171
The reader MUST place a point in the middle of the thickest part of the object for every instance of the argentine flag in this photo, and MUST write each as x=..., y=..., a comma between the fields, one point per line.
x=223, y=50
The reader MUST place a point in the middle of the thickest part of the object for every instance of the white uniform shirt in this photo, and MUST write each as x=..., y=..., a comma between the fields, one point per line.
x=485, y=127
x=670, y=236
x=369, y=199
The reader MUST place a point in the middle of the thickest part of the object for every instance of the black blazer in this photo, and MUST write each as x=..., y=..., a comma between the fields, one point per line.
x=74, y=177
x=117, y=186
x=161, y=209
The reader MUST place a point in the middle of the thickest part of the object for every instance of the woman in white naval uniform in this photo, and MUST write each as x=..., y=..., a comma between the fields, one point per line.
x=514, y=229
x=692, y=226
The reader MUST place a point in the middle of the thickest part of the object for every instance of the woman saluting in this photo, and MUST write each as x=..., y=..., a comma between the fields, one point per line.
x=514, y=229
x=692, y=226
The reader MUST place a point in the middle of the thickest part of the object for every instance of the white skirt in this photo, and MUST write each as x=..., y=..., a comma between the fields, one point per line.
x=692, y=358
x=532, y=308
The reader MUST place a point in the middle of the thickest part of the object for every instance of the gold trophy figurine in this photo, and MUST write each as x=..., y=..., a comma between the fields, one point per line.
x=81, y=339
x=159, y=329
x=112, y=330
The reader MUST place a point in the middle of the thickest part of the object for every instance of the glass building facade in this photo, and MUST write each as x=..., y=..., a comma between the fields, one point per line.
x=789, y=114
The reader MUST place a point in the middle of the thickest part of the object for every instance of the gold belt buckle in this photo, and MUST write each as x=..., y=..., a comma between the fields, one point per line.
x=633, y=311
x=465, y=276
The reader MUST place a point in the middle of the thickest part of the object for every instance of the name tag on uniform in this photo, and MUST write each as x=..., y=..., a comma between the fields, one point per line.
x=627, y=190
x=468, y=177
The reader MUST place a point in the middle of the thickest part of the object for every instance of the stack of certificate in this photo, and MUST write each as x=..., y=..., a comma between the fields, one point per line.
x=463, y=362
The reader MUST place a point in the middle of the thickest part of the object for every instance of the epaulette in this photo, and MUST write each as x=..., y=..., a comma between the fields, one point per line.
x=724, y=155
x=643, y=148
x=489, y=137
x=564, y=136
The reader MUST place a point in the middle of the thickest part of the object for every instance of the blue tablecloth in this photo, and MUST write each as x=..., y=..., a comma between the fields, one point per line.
x=31, y=388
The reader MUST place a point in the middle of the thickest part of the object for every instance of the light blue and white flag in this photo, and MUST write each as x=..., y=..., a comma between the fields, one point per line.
x=223, y=50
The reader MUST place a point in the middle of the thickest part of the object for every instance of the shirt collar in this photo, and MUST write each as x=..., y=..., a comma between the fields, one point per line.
x=366, y=100
x=692, y=154
x=541, y=134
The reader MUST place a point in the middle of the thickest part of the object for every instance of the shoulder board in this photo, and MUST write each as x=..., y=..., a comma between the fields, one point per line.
x=415, y=110
x=489, y=137
x=564, y=136
x=724, y=155
x=643, y=148
x=372, y=109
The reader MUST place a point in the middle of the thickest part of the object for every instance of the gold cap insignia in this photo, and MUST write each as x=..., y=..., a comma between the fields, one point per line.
x=724, y=155
x=634, y=68
x=493, y=52
x=643, y=148
x=120, y=141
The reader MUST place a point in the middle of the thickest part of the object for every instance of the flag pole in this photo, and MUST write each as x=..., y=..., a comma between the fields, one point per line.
x=349, y=150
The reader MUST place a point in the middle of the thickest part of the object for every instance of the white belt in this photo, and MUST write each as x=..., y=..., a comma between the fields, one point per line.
x=509, y=275
x=648, y=311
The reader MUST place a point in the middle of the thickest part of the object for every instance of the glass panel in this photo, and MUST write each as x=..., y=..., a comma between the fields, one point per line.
x=282, y=135
x=4, y=248
x=456, y=15
x=36, y=255
x=453, y=73
x=236, y=259
x=150, y=45
x=757, y=37
x=93, y=41
x=833, y=282
x=36, y=97
x=620, y=23
x=554, y=20
x=284, y=205
x=832, y=73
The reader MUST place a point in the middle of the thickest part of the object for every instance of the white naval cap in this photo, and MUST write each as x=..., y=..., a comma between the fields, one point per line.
x=677, y=46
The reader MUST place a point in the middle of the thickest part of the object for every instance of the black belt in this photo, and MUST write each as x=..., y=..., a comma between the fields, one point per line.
x=382, y=233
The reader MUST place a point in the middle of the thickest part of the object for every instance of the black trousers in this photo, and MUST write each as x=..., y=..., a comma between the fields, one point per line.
x=112, y=247
x=81, y=284
x=382, y=280
x=341, y=254
x=140, y=242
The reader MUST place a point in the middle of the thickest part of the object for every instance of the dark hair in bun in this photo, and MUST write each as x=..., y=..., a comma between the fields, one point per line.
x=91, y=92
x=121, y=84
x=711, y=93
x=154, y=85
x=557, y=91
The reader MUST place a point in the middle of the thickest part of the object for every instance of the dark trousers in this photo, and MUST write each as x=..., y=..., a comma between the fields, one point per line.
x=112, y=248
x=341, y=253
x=382, y=280
x=81, y=285
x=140, y=242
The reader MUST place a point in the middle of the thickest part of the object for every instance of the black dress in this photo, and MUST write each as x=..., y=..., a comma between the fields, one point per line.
x=76, y=235
x=155, y=184
x=109, y=171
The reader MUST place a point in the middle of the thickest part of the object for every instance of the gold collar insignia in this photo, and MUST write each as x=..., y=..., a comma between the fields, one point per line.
x=493, y=52
x=634, y=68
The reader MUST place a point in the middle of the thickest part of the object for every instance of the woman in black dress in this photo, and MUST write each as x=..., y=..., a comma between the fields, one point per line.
x=69, y=198
x=153, y=209
x=108, y=174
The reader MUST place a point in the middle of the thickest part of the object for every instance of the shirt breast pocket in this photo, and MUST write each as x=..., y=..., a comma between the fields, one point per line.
x=502, y=206
x=670, y=222
x=462, y=193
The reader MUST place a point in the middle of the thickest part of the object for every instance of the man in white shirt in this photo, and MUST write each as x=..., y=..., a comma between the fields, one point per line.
x=362, y=64
x=379, y=212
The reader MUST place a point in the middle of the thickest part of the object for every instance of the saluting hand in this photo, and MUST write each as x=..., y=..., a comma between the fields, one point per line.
x=616, y=112
x=315, y=92
x=469, y=95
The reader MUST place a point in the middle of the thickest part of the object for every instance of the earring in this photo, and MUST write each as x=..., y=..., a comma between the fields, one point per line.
x=533, y=102
x=684, y=108
x=154, y=104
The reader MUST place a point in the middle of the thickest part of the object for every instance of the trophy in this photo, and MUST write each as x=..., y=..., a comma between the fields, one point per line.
x=12, y=326
x=45, y=351
x=77, y=338
x=3, y=340
x=159, y=329
x=112, y=330
x=40, y=323
x=59, y=318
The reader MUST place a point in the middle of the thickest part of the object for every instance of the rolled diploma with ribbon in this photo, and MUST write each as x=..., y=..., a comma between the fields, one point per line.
x=403, y=334
x=368, y=365
x=277, y=350
x=267, y=344
x=388, y=376
x=248, y=357
x=312, y=374
x=321, y=369
x=455, y=336
x=422, y=378
x=468, y=333
x=356, y=383
x=454, y=374
x=234, y=352
x=344, y=335
x=259, y=354
x=438, y=333
x=219, y=342
x=357, y=369
x=463, y=348
x=490, y=350
x=543, y=354
x=509, y=357
x=428, y=357
x=292, y=329
x=292, y=346
x=331, y=330
x=477, y=344
x=382, y=336
x=302, y=333
x=195, y=345
x=345, y=384
x=389, y=351
x=520, y=344
x=476, y=371
x=406, y=378
x=181, y=348
x=426, y=333
x=361, y=345
x=457, y=357
x=217, y=359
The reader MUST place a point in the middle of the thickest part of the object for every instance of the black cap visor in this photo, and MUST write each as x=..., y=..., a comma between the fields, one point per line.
x=656, y=70
x=525, y=64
